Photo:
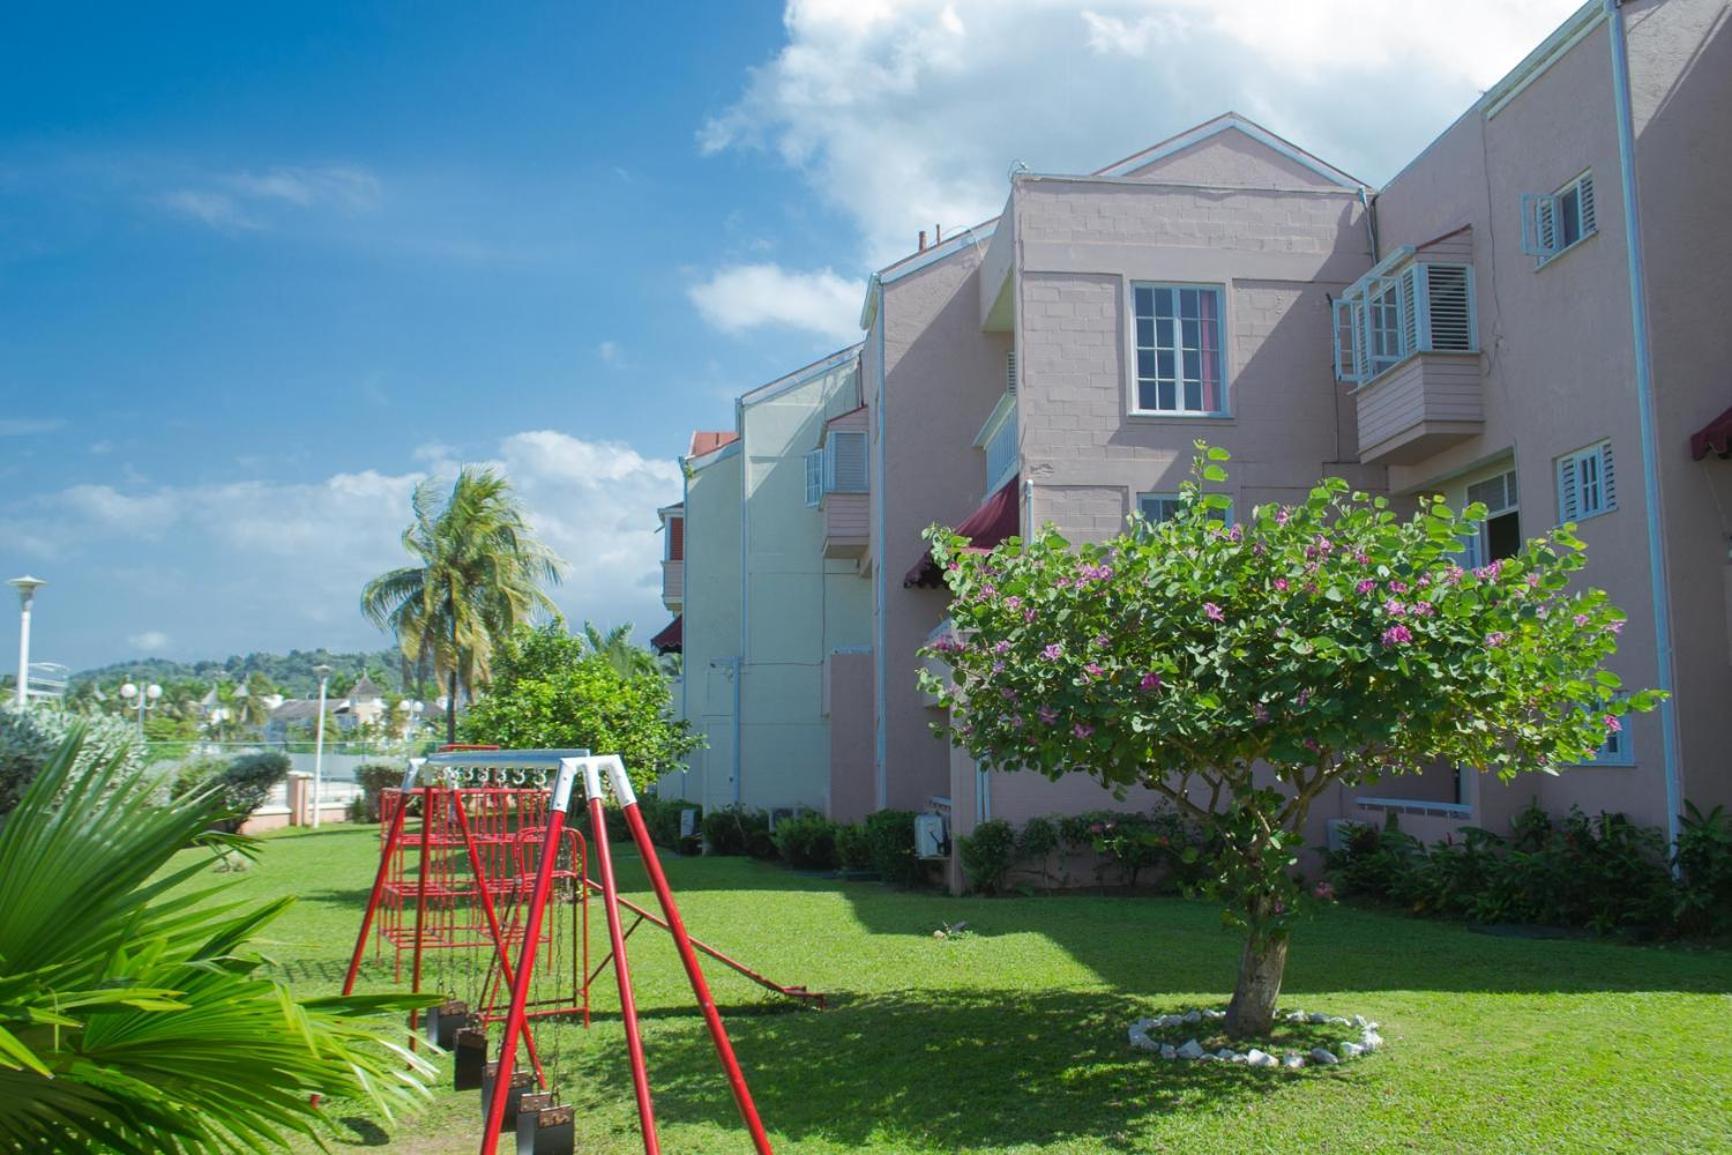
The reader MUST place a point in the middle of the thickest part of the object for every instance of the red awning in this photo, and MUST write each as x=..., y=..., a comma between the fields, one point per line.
x=1714, y=437
x=671, y=637
x=999, y=517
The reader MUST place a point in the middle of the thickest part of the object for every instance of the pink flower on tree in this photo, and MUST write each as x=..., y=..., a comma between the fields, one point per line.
x=1580, y=620
x=1082, y=731
x=1616, y=627
x=1612, y=723
x=1397, y=636
x=1213, y=612
x=1001, y=647
x=1150, y=681
x=1013, y=602
x=1496, y=638
x=1281, y=584
x=1394, y=608
x=1048, y=715
x=1093, y=670
x=1053, y=652
x=1365, y=586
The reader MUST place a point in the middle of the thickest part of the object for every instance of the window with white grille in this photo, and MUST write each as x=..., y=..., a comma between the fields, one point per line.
x=1554, y=222
x=1159, y=507
x=1499, y=535
x=814, y=477
x=1587, y=483
x=1180, y=366
x=1391, y=314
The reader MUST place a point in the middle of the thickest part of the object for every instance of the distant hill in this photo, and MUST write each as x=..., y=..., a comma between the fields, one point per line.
x=292, y=672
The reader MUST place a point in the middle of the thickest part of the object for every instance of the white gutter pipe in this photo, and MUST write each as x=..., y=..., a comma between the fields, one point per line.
x=1662, y=599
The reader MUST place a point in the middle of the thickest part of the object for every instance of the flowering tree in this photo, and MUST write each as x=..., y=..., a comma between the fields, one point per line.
x=1242, y=670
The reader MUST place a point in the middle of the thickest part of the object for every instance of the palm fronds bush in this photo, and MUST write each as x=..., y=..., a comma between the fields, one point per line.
x=134, y=1016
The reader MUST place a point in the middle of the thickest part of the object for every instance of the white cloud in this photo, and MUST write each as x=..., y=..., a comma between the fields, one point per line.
x=149, y=642
x=254, y=564
x=343, y=186
x=218, y=210
x=244, y=201
x=609, y=351
x=29, y=426
x=907, y=113
x=741, y=297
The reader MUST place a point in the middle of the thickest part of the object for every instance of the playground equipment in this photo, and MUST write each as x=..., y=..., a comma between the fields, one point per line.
x=494, y=885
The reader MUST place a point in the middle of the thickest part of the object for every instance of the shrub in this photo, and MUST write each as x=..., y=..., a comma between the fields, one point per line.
x=807, y=842
x=195, y=773
x=890, y=834
x=1038, y=839
x=1602, y=874
x=1703, y=900
x=734, y=830
x=662, y=816
x=248, y=782
x=853, y=847
x=374, y=778
x=988, y=854
x=28, y=738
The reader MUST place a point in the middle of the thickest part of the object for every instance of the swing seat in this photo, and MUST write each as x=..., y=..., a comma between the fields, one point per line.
x=545, y=1129
x=444, y=1021
x=470, y=1065
x=521, y=1082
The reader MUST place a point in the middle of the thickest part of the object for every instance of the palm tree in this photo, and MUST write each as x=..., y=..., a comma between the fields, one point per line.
x=134, y=1015
x=616, y=647
x=478, y=574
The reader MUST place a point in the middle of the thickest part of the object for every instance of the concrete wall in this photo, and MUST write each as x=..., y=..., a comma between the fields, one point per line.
x=798, y=604
x=941, y=377
x=711, y=627
x=1558, y=370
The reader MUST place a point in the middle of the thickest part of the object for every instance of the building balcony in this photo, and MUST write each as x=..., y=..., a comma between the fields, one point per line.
x=1428, y=402
x=847, y=524
x=673, y=585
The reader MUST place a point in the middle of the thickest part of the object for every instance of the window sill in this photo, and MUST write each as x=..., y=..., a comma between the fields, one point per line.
x=1548, y=262
x=1590, y=516
x=1154, y=417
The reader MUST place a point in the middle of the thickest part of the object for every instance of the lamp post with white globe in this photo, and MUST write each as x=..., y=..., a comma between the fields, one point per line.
x=411, y=710
x=26, y=587
x=324, y=673
x=141, y=699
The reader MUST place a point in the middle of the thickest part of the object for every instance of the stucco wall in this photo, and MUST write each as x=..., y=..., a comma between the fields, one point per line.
x=941, y=378
x=711, y=629
x=1559, y=369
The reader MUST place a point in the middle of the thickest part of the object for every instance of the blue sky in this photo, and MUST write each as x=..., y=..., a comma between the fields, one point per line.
x=261, y=270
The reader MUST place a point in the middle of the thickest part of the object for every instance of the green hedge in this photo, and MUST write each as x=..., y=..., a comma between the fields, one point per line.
x=807, y=841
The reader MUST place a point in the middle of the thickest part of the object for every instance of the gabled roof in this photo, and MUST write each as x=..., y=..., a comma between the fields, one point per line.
x=1231, y=122
x=706, y=441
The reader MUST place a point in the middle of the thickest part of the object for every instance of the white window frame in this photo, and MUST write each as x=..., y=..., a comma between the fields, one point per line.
x=1588, y=471
x=1134, y=346
x=1226, y=515
x=1544, y=215
x=1476, y=550
x=814, y=478
x=1617, y=750
x=1385, y=318
x=998, y=440
x=668, y=536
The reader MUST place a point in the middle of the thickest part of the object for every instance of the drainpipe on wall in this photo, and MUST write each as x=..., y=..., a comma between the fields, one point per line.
x=881, y=677
x=1645, y=410
x=745, y=590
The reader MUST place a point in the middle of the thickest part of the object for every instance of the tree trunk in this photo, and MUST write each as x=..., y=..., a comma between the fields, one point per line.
x=451, y=711
x=1251, y=1014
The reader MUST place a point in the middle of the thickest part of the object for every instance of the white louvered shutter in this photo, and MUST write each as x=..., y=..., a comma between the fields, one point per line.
x=1341, y=323
x=1586, y=195
x=1010, y=371
x=814, y=477
x=1412, y=298
x=1449, y=309
x=847, y=462
x=1569, y=491
x=1608, y=478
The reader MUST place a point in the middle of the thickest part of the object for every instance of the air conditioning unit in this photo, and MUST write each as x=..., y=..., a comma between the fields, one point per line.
x=783, y=813
x=931, y=836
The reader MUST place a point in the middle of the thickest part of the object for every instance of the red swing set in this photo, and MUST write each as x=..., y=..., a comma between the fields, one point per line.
x=493, y=850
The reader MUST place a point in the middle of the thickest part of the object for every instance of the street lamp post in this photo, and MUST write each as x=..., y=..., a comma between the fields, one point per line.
x=411, y=711
x=26, y=587
x=142, y=699
x=324, y=673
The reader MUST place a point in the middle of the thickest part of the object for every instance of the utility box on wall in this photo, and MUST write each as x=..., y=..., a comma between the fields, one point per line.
x=931, y=836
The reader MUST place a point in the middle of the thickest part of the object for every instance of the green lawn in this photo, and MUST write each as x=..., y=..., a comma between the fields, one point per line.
x=1013, y=1039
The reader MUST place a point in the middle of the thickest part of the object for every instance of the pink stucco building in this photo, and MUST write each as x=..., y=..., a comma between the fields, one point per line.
x=1528, y=315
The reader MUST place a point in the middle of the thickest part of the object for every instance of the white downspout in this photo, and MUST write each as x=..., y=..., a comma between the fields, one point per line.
x=881, y=677
x=1645, y=412
x=745, y=590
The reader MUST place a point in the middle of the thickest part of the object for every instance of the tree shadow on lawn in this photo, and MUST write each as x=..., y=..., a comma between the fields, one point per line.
x=1152, y=945
x=954, y=1069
